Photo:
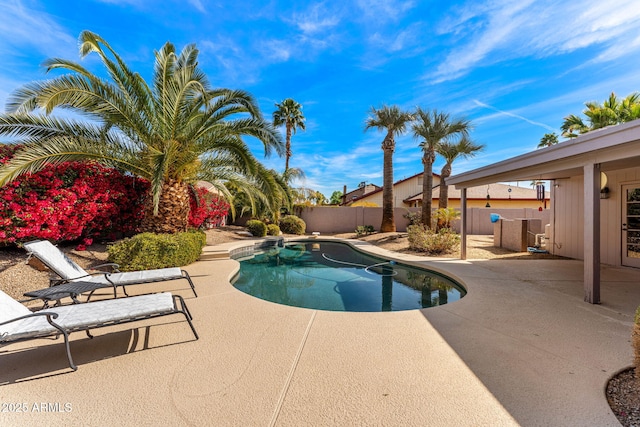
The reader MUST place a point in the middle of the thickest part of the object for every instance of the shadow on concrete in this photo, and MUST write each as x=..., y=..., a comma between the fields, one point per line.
x=535, y=344
x=47, y=357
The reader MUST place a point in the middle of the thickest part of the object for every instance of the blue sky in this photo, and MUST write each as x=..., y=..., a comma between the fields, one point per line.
x=514, y=68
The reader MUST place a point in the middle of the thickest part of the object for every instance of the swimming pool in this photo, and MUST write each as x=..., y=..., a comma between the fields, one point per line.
x=333, y=276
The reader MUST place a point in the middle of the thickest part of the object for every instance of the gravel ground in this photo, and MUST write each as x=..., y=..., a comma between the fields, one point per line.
x=623, y=394
x=16, y=278
x=478, y=247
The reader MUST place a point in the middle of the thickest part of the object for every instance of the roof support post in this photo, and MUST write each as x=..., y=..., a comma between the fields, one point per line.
x=592, y=233
x=463, y=223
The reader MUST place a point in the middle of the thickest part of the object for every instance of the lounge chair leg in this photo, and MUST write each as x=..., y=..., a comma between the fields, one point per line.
x=66, y=339
x=66, y=343
x=184, y=310
x=186, y=276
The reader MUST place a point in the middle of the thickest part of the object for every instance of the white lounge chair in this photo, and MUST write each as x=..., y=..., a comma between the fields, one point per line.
x=18, y=323
x=68, y=271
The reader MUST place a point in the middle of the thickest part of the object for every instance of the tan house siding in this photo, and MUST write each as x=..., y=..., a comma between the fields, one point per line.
x=408, y=193
x=406, y=189
x=568, y=235
x=495, y=204
x=402, y=190
x=569, y=208
x=374, y=198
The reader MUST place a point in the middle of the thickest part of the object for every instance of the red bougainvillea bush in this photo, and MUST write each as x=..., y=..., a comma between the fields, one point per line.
x=82, y=201
x=207, y=210
x=69, y=201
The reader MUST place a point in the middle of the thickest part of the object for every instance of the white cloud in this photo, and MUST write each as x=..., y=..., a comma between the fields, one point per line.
x=503, y=30
x=277, y=50
x=510, y=114
x=616, y=51
x=22, y=27
x=316, y=19
x=384, y=10
x=405, y=41
x=497, y=27
x=198, y=5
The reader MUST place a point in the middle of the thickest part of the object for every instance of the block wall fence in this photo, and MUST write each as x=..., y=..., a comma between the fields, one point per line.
x=330, y=219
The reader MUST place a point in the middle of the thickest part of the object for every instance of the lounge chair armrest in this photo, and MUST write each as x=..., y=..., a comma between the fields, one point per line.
x=115, y=268
x=28, y=316
x=54, y=281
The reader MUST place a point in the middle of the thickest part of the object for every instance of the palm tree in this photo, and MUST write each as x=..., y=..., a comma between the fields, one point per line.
x=174, y=131
x=451, y=151
x=289, y=113
x=394, y=121
x=262, y=197
x=435, y=128
x=613, y=111
x=548, y=139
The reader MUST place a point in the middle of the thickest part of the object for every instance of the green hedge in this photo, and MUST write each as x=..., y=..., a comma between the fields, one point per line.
x=147, y=251
x=257, y=228
x=291, y=224
x=273, y=230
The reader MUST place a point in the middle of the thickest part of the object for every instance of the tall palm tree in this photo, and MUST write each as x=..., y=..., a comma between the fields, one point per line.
x=394, y=121
x=451, y=151
x=173, y=131
x=548, y=139
x=611, y=112
x=434, y=128
x=289, y=113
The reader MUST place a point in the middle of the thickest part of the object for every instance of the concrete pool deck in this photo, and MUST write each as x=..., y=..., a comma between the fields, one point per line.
x=521, y=348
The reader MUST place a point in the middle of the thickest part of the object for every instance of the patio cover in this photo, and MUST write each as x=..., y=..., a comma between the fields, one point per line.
x=607, y=149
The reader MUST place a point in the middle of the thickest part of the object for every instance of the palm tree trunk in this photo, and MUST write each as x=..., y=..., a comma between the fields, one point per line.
x=388, y=220
x=173, y=209
x=288, y=147
x=443, y=201
x=427, y=187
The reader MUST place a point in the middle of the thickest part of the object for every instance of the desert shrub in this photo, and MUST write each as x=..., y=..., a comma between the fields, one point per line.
x=147, y=251
x=257, y=228
x=414, y=218
x=364, y=230
x=273, y=230
x=69, y=201
x=424, y=239
x=291, y=224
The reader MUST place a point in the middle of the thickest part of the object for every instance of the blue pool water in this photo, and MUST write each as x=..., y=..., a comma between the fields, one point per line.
x=333, y=276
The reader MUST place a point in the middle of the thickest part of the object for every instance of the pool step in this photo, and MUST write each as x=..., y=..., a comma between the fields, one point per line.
x=213, y=255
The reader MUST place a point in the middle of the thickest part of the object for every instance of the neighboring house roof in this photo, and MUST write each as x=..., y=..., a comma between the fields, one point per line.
x=360, y=192
x=394, y=184
x=496, y=191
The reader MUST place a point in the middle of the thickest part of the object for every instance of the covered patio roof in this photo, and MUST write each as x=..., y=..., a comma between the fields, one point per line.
x=615, y=147
x=612, y=148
